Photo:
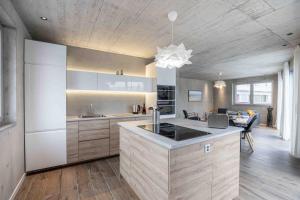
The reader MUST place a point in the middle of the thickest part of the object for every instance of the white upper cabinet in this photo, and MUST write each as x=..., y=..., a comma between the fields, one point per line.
x=166, y=76
x=139, y=84
x=78, y=80
x=112, y=82
x=45, y=53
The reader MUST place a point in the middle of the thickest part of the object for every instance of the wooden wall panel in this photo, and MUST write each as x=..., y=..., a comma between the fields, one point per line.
x=195, y=174
x=226, y=167
x=115, y=135
x=191, y=172
x=147, y=168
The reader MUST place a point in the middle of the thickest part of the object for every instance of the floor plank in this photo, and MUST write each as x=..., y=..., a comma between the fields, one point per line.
x=269, y=173
x=26, y=187
x=69, y=186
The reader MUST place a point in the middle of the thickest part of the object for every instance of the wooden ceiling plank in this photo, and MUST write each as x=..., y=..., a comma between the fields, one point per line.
x=229, y=34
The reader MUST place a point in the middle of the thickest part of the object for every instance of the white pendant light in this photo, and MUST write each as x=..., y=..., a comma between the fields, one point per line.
x=220, y=83
x=172, y=56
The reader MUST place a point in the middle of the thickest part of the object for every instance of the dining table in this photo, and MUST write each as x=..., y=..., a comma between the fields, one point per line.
x=240, y=121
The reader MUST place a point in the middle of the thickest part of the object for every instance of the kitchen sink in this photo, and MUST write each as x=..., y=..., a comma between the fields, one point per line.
x=92, y=116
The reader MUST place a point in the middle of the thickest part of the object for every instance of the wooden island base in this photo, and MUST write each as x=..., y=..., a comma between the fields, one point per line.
x=158, y=173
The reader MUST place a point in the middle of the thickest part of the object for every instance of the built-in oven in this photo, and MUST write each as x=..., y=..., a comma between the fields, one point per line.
x=165, y=92
x=166, y=99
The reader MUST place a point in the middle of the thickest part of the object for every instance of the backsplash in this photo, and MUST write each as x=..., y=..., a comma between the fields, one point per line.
x=78, y=103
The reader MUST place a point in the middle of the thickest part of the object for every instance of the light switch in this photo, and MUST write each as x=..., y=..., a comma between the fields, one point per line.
x=207, y=148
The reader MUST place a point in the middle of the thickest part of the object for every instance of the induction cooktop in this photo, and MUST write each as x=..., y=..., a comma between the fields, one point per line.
x=173, y=131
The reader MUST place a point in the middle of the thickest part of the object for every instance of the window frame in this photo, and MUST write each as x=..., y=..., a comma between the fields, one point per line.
x=252, y=92
x=264, y=104
x=235, y=90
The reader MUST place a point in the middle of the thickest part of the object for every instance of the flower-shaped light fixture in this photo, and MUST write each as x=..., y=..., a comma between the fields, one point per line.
x=220, y=83
x=173, y=55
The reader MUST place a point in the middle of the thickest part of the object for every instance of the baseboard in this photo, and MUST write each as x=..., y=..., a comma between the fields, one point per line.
x=262, y=125
x=13, y=195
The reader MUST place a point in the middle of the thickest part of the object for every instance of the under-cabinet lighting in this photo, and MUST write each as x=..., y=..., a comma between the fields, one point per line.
x=106, y=92
x=103, y=72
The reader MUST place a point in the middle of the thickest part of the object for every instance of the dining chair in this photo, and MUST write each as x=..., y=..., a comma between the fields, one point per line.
x=247, y=132
x=192, y=116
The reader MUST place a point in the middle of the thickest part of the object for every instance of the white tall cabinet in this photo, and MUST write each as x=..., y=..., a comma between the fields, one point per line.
x=164, y=77
x=45, y=105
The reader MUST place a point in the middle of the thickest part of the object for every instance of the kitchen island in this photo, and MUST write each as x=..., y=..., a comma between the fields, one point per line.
x=159, y=167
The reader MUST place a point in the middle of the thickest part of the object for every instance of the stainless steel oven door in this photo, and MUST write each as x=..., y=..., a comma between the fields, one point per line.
x=166, y=107
x=167, y=110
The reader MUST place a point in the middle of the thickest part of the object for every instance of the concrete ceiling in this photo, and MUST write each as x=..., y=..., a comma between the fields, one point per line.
x=241, y=38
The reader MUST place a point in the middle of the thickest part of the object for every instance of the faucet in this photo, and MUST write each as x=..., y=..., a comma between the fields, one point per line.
x=155, y=115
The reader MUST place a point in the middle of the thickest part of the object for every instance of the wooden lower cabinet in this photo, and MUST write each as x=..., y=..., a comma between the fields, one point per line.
x=87, y=140
x=72, y=142
x=159, y=173
x=93, y=134
x=93, y=149
x=93, y=124
x=91, y=139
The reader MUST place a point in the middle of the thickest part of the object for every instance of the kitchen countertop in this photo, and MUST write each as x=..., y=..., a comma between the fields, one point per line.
x=172, y=144
x=112, y=116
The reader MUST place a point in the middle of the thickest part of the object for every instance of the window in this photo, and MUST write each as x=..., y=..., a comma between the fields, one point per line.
x=253, y=93
x=242, y=94
x=262, y=93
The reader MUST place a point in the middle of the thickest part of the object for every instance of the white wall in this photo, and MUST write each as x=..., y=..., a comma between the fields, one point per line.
x=182, y=103
x=12, y=139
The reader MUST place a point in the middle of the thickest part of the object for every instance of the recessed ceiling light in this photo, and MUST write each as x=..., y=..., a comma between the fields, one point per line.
x=44, y=18
x=288, y=34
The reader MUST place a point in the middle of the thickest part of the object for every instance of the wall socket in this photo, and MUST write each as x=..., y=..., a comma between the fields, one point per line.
x=207, y=148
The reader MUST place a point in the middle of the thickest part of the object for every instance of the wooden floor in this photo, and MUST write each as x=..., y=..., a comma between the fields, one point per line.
x=268, y=173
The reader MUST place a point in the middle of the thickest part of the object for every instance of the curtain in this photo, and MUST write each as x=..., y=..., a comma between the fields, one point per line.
x=284, y=113
x=295, y=136
x=279, y=122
